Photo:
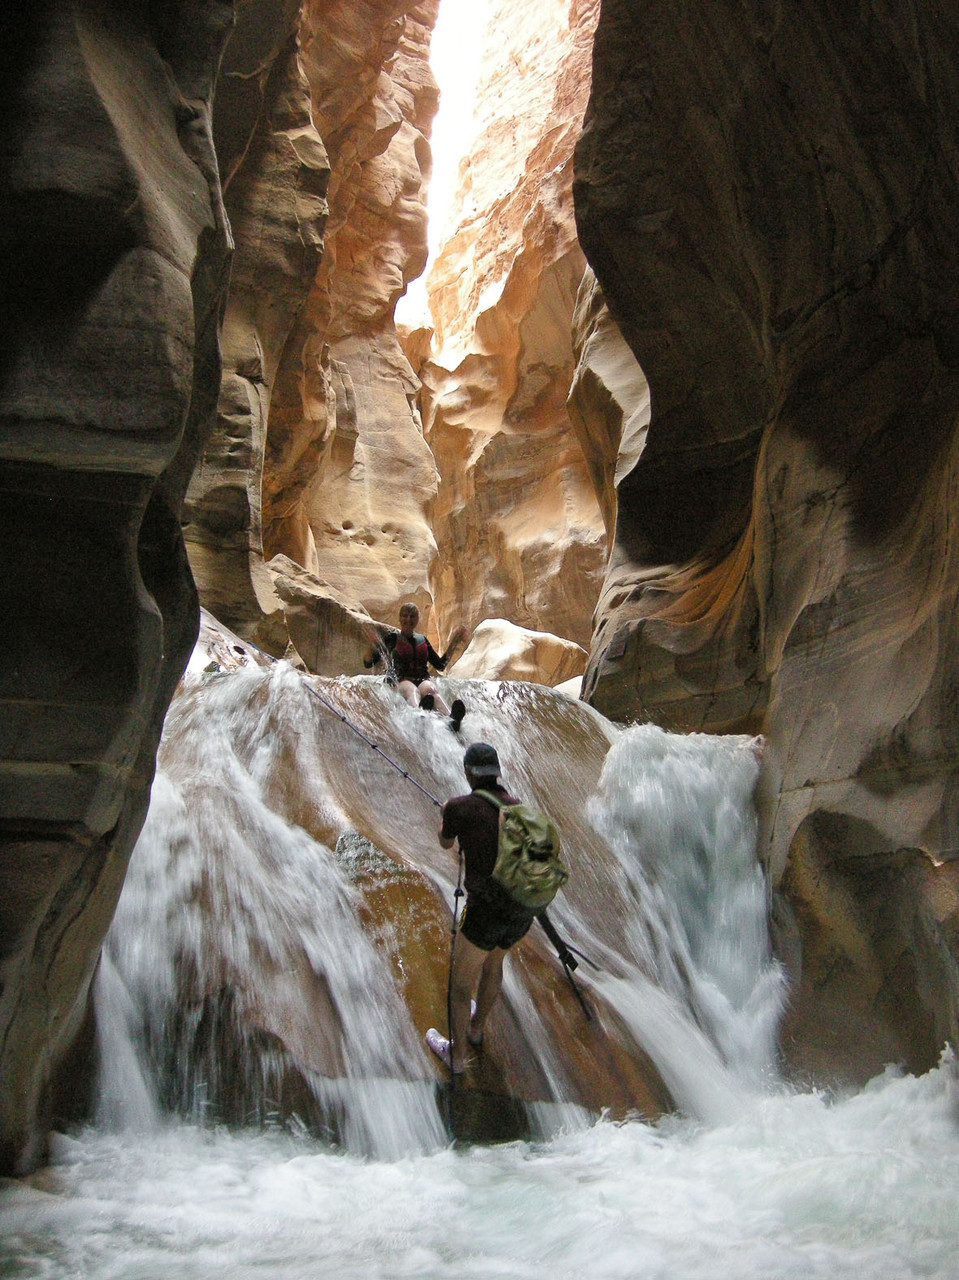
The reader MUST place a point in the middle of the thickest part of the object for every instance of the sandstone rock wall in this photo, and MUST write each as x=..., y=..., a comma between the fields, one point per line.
x=357, y=516
x=112, y=278
x=275, y=171
x=470, y=494
x=768, y=197
x=515, y=516
x=319, y=453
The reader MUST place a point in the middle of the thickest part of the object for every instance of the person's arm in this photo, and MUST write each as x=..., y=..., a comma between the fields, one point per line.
x=433, y=658
x=446, y=840
x=379, y=646
x=441, y=662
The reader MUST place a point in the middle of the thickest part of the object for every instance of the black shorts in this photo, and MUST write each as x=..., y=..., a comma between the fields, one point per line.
x=492, y=924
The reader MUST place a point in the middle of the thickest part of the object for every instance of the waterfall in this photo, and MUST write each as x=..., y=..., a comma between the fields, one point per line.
x=239, y=941
x=281, y=944
x=284, y=913
x=678, y=813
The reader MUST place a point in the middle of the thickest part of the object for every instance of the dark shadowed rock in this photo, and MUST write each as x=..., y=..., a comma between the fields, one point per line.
x=112, y=276
x=768, y=197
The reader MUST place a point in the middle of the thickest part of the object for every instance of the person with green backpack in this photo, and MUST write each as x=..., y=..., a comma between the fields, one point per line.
x=512, y=870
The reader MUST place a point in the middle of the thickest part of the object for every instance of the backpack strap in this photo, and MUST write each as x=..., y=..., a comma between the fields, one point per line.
x=495, y=801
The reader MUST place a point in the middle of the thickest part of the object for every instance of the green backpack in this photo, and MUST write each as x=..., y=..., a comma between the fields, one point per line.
x=528, y=864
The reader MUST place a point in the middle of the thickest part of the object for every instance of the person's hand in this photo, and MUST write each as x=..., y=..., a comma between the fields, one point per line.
x=376, y=645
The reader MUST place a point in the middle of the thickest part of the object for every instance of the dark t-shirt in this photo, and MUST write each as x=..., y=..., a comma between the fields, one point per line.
x=474, y=822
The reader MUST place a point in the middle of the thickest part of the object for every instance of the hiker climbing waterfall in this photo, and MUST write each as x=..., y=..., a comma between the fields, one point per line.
x=285, y=951
x=278, y=954
x=500, y=907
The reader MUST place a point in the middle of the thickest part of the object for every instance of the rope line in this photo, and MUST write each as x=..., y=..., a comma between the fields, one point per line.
x=350, y=725
x=564, y=951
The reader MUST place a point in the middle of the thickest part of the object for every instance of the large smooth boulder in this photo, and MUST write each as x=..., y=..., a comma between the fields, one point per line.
x=516, y=520
x=499, y=650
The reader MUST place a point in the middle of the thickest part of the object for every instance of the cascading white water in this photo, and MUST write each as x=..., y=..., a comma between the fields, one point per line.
x=244, y=869
x=705, y=995
x=223, y=893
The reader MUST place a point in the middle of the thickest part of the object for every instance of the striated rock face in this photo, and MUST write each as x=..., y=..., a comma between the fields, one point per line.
x=275, y=172
x=514, y=494
x=319, y=453
x=329, y=635
x=768, y=197
x=328, y=450
x=114, y=264
x=356, y=514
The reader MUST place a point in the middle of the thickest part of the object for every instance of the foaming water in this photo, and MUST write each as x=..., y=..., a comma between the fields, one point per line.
x=240, y=958
x=243, y=946
x=704, y=994
x=237, y=936
x=796, y=1188
x=241, y=979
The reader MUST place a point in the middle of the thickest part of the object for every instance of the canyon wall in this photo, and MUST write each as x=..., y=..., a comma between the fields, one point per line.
x=767, y=194
x=303, y=476
x=112, y=280
x=318, y=455
x=763, y=423
x=515, y=517
x=341, y=481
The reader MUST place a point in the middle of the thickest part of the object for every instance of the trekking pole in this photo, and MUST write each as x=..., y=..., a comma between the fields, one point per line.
x=567, y=959
x=457, y=895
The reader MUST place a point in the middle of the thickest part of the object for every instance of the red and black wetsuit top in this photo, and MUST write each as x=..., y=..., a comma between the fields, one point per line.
x=409, y=656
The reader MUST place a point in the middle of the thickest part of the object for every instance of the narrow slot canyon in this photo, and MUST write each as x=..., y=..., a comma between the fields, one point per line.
x=619, y=336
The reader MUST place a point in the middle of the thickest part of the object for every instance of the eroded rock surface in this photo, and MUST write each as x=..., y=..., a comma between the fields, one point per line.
x=514, y=493
x=112, y=278
x=768, y=198
x=319, y=454
x=469, y=495
x=499, y=650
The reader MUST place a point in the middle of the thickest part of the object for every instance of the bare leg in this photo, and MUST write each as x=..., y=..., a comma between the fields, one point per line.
x=438, y=704
x=468, y=962
x=490, y=984
x=408, y=689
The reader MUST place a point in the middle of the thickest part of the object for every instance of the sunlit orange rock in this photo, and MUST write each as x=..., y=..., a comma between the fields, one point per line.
x=319, y=455
x=499, y=650
x=514, y=494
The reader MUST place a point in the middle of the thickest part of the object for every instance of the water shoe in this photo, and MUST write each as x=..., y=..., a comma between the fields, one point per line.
x=441, y=1047
x=474, y=1037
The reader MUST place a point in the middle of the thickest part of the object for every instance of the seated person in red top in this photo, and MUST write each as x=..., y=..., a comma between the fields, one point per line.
x=408, y=655
x=492, y=922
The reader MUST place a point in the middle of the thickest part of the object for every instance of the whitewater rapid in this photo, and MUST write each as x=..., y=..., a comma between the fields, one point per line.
x=798, y=1188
